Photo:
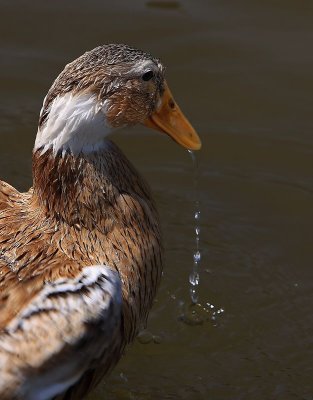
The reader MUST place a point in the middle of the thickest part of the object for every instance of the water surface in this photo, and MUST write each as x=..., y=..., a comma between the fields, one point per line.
x=242, y=73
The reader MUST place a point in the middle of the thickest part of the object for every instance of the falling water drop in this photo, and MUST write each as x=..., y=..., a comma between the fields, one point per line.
x=194, y=313
x=197, y=257
x=193, y=295
x=194, y=277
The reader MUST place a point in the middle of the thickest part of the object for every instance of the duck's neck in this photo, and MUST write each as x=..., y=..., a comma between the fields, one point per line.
x=86, y=188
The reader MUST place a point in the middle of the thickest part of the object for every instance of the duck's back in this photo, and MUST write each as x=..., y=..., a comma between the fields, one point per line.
x=26, y=248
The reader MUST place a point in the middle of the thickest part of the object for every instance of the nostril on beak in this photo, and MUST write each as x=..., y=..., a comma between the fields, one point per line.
x=171, y=103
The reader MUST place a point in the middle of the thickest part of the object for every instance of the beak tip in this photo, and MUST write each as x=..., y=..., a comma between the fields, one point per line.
x=198, y=145
x=195, y=142
x=195, y=147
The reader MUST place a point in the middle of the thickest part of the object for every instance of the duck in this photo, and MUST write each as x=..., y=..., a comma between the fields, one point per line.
x=81, y=251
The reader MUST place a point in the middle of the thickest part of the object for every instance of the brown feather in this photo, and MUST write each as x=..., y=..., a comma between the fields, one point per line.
x=83, y=210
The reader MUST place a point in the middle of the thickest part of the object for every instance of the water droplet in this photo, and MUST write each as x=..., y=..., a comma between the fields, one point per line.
x=197, y=256
x=194, y=278
x=193, y=295
x=157, y=339
x=145, y=337
x=123, y=377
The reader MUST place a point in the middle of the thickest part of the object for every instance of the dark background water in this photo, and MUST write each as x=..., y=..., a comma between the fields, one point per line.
x=242, y=72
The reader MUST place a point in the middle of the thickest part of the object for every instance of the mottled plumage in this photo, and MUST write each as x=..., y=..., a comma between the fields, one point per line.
x=80, y=252
x=90, y=72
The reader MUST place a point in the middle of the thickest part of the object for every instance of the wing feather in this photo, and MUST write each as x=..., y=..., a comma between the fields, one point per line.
x=58, y=335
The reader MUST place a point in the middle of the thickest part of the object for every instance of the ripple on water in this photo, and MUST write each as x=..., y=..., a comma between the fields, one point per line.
x=198, y=314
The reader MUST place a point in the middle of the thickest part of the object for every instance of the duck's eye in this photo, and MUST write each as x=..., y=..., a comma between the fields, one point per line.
x=147, y=76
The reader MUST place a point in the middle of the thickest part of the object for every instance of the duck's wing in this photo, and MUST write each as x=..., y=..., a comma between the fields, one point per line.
x=66, y=327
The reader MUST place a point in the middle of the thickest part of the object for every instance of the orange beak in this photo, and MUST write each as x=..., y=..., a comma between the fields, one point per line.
x=168, y=118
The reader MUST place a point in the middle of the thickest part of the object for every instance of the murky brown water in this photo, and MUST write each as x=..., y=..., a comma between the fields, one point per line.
x=242, y=72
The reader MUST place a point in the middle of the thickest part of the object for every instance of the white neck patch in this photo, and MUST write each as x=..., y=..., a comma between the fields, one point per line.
x=76, y=123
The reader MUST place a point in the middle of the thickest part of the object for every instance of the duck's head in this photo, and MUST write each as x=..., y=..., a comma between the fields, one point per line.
x=109, y=87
